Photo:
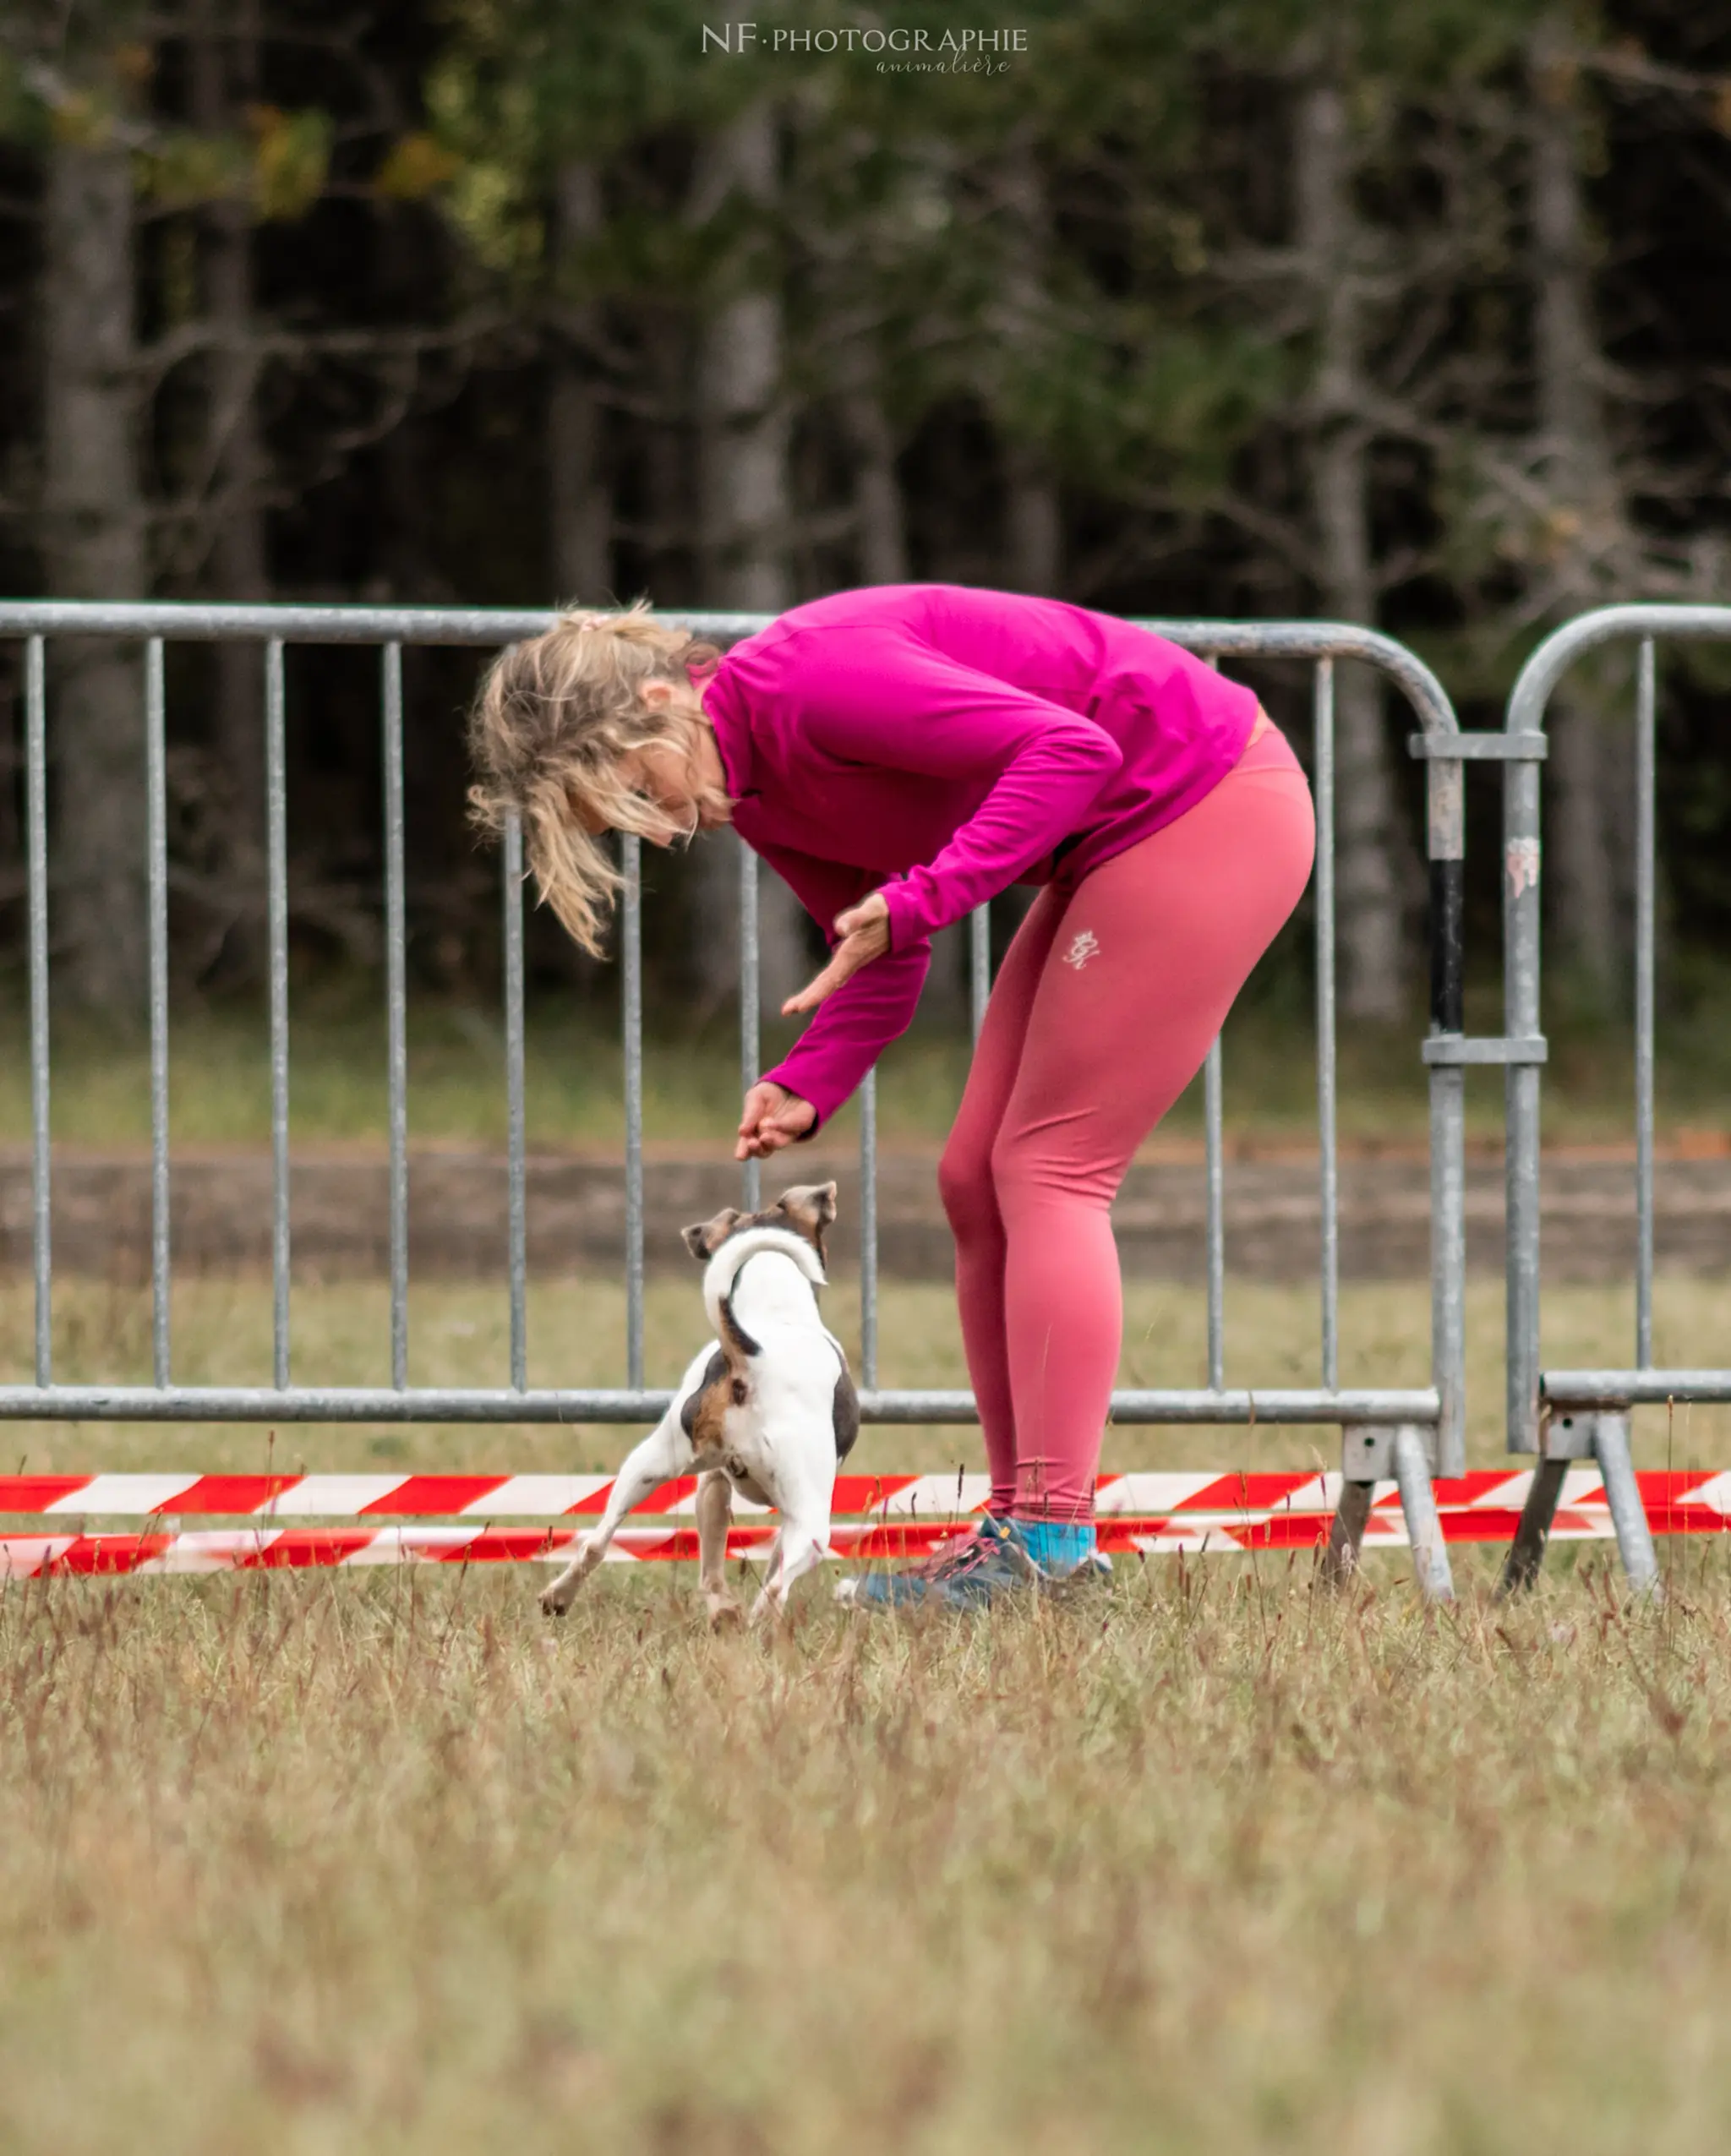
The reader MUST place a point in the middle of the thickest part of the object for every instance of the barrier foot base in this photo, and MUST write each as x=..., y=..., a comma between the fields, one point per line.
x=1424, y=1529
x=1346, y=1535
x=1600, y=1435
x=1526, y=1552
x=1634, y=1540
x=1372, y=1453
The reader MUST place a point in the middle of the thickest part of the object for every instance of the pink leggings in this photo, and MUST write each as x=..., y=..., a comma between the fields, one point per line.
x=1101, y=1014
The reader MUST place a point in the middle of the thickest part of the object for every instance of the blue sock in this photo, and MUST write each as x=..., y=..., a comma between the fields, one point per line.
x=1057, y=1545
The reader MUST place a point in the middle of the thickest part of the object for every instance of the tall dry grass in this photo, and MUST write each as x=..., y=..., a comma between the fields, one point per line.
x=1208, y=1862
x=459, y=1335
x=220, y=1075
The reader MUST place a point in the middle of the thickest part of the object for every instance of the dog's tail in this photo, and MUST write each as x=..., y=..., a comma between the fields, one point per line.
x=721, y=1276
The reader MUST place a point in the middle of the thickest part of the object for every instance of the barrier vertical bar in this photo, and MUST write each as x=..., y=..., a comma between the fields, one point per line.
x=868, y=1231
x=397, y=998
x=751, y=989
x=378, y=628
x=1327, y=1087
x=1418, y=1505
x=515, y=1196
x=1645, y=783
x=1445, y=844
x=979, y=966
x=1216, y=1220
x=632, y=1018
x=277, y=911
x=1634, y=1540
x=36, y=822
x=1215, y=1178
x=1448, y=1286
x=156, y=790
x=1521, y=1021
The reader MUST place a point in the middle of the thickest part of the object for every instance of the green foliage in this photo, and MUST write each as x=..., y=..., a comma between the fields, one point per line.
x=1135, y=401
x=181, y=169
x=88, y=83
x=1138, y=315
x=291, y=159
x=281, y=166
x=23, y=116
x=524, y=84
x=416, y=166
x=1422, y=46
x=75, y=74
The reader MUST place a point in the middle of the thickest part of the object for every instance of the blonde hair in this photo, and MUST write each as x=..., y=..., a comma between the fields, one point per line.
x=550, y=722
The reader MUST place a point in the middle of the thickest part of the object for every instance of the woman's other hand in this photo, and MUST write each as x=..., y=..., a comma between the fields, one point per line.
x=773, y=1117
x=864, y=931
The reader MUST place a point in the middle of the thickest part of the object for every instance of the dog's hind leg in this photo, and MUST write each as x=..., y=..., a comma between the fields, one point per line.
x=665, y=1453
x=715, y=1508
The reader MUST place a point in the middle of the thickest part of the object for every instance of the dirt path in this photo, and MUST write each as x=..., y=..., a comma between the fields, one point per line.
x=221, y=1215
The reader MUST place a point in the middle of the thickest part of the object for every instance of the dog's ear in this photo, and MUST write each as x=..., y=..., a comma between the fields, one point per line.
x=811, y=1208
x=703, y=1238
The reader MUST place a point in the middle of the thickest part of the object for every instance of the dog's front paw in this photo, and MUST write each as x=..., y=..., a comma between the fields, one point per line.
x=557, y=1599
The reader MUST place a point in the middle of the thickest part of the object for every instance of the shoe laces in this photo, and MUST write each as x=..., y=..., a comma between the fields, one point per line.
x=956, y=1559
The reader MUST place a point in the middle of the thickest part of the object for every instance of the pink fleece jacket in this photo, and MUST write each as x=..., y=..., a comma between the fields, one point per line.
x=941, y=743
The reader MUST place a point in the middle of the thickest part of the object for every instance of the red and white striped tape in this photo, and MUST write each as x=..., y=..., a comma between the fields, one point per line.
x=894, y=1497
x=553, y=1497
x=906, y=1516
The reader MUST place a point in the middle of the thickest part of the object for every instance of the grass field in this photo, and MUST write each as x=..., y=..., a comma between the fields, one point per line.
x=1215, y=1864
x=220, y=1079
x=220, y=1082
x=1211, y=1862
x=459, y=1335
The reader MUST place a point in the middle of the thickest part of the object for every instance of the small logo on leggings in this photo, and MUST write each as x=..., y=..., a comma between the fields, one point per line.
x=1082, y=950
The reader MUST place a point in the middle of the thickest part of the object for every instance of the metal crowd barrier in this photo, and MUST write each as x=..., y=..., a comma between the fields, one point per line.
x=1410, y=1433
x=1567, y=1415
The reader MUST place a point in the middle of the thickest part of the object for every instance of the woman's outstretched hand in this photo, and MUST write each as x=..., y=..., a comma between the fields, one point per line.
x=772, y=1117
x=864, y=931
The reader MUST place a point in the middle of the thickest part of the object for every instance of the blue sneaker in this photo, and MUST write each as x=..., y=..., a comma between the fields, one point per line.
x=1067, y=1551
x=998, y=1555
x=964, y=1575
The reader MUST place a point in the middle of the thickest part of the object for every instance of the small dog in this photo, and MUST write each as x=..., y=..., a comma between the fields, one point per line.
x=767, y=1408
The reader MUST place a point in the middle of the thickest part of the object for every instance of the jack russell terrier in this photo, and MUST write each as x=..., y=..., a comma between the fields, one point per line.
x=767, y=1408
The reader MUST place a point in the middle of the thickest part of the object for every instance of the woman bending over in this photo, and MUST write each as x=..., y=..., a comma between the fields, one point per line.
x=899, y=756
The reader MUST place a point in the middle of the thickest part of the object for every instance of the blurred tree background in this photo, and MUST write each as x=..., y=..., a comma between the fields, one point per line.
x=1414, y=316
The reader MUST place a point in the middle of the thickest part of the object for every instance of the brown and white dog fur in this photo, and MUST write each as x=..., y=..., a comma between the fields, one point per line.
x=767, y=1408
